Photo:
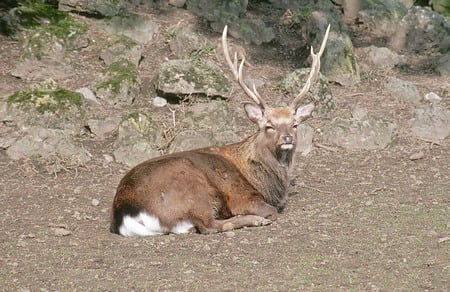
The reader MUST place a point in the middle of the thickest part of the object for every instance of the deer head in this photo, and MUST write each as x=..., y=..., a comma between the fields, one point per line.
x=277, y=125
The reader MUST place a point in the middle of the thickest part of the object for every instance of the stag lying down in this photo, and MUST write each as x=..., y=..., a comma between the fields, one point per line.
x=217, y=189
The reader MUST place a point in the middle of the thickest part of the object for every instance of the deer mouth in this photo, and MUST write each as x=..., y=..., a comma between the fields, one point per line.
x=286, y=146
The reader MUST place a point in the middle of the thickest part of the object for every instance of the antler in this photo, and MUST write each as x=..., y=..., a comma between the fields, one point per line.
x=237, y=71
x=315, y=68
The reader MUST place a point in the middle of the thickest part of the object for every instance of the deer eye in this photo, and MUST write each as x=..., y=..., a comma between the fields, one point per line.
x=269, y=129
x=295, y=126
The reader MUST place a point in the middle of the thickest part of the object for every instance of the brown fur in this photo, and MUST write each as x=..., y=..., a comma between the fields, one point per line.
x=217, y=188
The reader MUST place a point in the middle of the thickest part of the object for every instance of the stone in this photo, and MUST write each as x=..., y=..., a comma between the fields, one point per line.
x=360, y=131
x=185, y=42
x=159, y=101
x=40, y=70
x=206, y=124
x=105, y=8
x=47, y=104
x=380, y=58
x=138, y=139
x=89, y=95
x=185, y=77
x=402, y=90
x=103, y=128
x=339, y=62
x=431, y=122
x=220, y=13
x=121, y=47
x=121, y=84
x=134, y=26
x=320, y=92
x=52, y=145
x=422, y=30
x=305, y=135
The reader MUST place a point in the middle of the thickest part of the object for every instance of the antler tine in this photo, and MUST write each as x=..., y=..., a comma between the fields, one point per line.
x=315, y=68
x=238, y=71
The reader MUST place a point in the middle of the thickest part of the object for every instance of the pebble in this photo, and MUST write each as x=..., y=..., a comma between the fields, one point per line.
x=433, y=97
x=59, y=231
x=159, y=101
x=417, y=156
x=95, y=202
x=229, y=234
x=108, y=158
x=88, y=95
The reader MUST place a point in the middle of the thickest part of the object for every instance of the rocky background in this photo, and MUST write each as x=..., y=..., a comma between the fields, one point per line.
x=56, y=102
x=90, y=88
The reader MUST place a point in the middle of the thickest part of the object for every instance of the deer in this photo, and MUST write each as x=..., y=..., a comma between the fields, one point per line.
x=218, y=189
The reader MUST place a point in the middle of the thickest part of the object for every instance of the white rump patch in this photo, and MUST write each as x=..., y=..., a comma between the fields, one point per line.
x=182, y=227
x=145, y=224
x=141, y=225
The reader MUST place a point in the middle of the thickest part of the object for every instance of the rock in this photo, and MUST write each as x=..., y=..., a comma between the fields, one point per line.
x=431, y=122
x=185, y=77
x=105, y=8
x=8, y=135
x=102, y=128
x=319, y=92
x=47, y=104
x=229, y=234
x=108, y=158
x=40, y=70
x=52, y=145
x=159, y=101
x=60, y=231
x=31, y=17
x=422, y=30
x=339, y=62
x=177, y=3
x=443, y=66
x=381, y=18
x=380, y=58
x=88, y=95
x=191, y=139
x=134, y=26
x=185, y=42
x=121, y=47
x=95, y=202
x=432, y=97
x=121, y=83
x=137, y=140
x=360, y=131
x=402, y=91
x=441, y=7
x=206, y=124
x=305, y=135
x=417, y=155
x=220, y=13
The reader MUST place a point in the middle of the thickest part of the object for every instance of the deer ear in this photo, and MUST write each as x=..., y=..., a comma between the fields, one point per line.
x=303, y=112
x=254, y=112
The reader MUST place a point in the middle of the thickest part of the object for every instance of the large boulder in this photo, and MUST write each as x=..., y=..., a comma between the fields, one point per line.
x=360, y=131
x=206, y=124
x=179, y=78
x=138, y=139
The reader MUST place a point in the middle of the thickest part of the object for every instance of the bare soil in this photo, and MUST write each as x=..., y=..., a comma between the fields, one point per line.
x=365, y=220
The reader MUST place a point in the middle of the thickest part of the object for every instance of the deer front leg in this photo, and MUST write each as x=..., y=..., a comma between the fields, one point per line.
x=241, y=221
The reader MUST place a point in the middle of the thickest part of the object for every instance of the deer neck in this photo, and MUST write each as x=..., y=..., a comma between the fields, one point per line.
x=266, y=170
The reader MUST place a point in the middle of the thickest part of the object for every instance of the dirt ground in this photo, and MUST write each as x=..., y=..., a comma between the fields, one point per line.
x=365, y=220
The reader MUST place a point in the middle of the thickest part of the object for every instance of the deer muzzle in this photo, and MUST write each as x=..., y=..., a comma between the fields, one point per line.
x=287, y=142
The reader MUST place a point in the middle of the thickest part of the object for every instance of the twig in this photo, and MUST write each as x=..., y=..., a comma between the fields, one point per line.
x=174, y=121
x=318, y=145
x=315, y=189
x=429, y=141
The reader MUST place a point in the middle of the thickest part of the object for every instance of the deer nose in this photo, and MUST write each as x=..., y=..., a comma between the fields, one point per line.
x=288, y=139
